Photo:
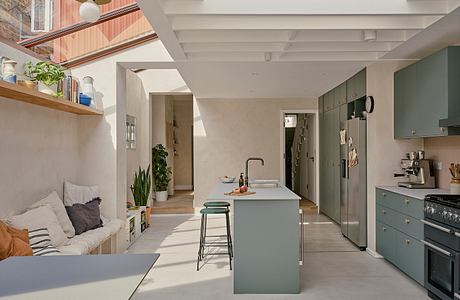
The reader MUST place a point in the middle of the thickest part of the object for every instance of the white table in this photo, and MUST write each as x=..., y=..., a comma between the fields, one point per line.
x=74, y=277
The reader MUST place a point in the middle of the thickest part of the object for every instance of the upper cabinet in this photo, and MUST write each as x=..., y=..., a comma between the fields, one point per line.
x=425, y=93
x=340, y=94
x=356, y=86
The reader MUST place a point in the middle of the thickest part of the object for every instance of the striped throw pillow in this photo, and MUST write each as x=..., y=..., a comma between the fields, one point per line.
x=39, y=240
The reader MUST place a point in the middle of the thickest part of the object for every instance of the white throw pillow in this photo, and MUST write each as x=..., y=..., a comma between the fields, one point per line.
x=74, y=194
x=41, y=217
x=58, y=208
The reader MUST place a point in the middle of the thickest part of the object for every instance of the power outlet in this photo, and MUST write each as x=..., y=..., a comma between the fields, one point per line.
x=437, y=165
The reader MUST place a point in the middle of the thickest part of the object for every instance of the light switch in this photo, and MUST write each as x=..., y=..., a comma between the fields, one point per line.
x=437, y=165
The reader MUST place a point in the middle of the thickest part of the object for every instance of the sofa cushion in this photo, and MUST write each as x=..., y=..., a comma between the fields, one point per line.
x=89, y=240
x=86, y=216
x=74, y=194
x=58, y=208
x=39, y=240
x=41, y=217
x=13, y=242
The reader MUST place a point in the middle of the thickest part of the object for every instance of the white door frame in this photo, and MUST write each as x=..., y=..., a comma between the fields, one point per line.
x=283, y=145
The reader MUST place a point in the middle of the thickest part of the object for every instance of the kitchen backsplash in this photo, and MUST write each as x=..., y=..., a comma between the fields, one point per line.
x=445, y=150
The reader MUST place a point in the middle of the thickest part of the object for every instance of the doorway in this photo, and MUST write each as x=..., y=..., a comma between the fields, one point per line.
x=299, y=152
x=172, y=126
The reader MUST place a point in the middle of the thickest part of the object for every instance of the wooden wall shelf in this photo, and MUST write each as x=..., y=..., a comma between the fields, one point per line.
x=20, y=93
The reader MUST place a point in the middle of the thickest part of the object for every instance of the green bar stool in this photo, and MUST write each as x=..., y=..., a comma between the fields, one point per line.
x=204, y=215
x=218, y=204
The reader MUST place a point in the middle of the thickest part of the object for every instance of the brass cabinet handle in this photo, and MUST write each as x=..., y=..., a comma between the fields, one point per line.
x=414, y=131
x=384, y=194
x=384, y=228
x=407, y=242
x=407, y=201
x=407, y=221
x=384, y=211
x=442, y=129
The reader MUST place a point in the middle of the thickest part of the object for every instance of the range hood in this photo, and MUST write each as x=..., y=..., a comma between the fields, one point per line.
x=450, y=122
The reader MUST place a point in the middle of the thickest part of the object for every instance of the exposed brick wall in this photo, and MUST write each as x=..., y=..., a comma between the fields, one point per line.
x=14, y=18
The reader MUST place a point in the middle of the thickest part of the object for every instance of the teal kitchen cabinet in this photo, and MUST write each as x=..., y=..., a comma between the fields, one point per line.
x=321, y=105
x=340, y=94
x=356, y=86
x=329, y=100
x=399, y=232
x=425, y=93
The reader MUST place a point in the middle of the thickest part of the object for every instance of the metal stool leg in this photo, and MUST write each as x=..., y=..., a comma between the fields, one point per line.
x=229, y=245
x=200, y=249
x=204, y=234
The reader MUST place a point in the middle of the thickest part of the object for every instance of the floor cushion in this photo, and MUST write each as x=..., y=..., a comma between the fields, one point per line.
x=79, y=194
x=41, y=217
x=57, y=205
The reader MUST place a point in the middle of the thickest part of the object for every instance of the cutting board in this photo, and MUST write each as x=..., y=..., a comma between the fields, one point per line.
x=239, y=194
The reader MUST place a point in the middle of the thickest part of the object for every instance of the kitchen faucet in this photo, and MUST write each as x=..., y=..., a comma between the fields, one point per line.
x=247, y=167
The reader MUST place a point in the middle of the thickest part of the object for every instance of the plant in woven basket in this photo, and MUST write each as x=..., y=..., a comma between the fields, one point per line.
x=141, y=186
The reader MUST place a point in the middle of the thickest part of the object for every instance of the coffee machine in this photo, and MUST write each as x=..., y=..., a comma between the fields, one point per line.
x=418, y=170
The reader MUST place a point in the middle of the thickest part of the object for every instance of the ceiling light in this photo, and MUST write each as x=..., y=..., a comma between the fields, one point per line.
x=369, y=35
x=90, y=11
x=268, y=56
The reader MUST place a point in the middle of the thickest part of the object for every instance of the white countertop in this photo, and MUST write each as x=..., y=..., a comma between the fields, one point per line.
x=414, y=193
x=280, y=193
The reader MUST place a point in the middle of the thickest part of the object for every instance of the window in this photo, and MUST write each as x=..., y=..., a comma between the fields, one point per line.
x=41, y=15
x=290, y=121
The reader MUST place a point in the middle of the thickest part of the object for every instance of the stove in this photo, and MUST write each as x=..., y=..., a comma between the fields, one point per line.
x=443, y=208
x=442, y=246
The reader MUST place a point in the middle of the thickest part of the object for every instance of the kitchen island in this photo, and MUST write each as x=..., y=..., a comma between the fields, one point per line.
x=265, y=239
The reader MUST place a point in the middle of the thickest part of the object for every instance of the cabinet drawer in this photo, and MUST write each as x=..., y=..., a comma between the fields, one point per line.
x=405, y=205
x=385, y=215
x=385, y=238
x=410, y=256
x=407, y=225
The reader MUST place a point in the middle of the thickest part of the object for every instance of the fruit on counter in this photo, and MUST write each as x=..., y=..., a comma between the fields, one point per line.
x=236, y=191
x=243, y=189
x=225, y=176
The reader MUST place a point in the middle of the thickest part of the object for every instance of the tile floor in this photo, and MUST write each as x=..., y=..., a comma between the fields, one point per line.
x=341, y=274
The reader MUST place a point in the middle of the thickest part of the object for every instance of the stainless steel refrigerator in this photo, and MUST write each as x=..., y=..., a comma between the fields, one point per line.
x=353, y=190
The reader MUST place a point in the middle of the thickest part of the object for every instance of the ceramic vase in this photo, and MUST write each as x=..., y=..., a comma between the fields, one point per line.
x=455, y=186
x=88, y=89
x=9, y=71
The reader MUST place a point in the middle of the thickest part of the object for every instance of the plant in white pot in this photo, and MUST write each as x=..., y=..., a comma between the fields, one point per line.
x=46, y=74
x=161, y=172
x=141, y=188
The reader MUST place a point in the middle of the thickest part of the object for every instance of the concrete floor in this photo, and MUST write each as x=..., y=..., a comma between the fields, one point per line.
x=348, y=274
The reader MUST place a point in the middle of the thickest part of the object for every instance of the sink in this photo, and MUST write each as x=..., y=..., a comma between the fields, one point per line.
x=264, y=184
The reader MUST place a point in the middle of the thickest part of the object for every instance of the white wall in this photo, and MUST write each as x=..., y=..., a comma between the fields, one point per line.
x=383, y=152
x=138, y=106
x=227, y=132
x=38, y=151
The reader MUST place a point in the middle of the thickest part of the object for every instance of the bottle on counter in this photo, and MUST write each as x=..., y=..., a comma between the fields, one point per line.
x=241, y=181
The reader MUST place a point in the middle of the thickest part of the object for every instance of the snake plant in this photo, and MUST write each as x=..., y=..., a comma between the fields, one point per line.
x=141, y=186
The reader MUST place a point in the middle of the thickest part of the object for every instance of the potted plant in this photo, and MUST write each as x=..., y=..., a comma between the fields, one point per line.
x=141, y=190
x=160, y=172
x=46, y=74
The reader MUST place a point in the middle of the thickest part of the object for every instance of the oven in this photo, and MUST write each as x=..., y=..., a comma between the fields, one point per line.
x=442, y=268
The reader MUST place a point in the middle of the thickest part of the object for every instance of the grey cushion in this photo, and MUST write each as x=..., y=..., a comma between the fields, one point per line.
x=85, y=217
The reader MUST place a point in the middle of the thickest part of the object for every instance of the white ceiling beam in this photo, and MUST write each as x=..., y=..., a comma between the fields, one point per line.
x=153, y=11
x=283, y=36
x=296, y=47
x=301, y=22
x=304, y=56
x=307, y=7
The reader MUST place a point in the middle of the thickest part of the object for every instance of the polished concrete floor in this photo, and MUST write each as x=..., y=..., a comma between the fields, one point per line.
x=339, y=274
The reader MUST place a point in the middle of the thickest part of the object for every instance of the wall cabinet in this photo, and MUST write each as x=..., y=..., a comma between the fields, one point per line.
x=426, y=92
x=399, y=232
x=340, y=94
x=356, y=86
